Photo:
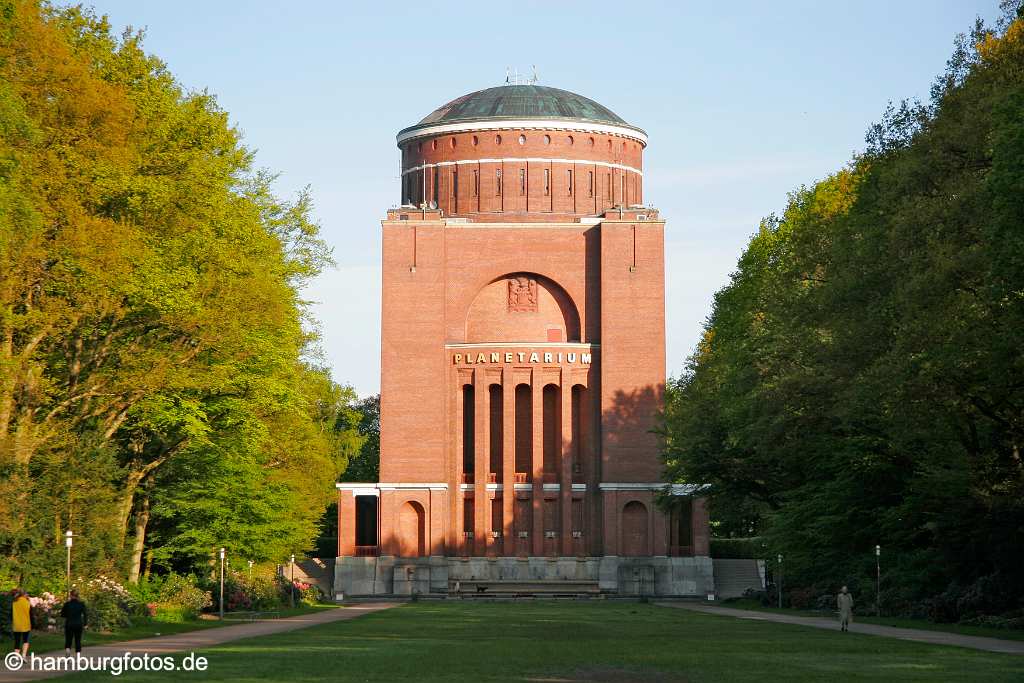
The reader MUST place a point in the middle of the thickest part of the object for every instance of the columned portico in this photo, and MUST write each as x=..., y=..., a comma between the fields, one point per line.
x=484, y=467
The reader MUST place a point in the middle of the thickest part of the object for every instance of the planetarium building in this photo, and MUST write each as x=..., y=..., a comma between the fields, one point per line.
x=522, y=366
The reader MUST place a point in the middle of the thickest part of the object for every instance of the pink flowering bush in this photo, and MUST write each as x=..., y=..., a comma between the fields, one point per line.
x=305, y=593
x=45, y=610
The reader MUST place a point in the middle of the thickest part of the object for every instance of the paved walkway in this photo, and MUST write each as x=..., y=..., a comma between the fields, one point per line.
x=202, y=639
x=1015, y=647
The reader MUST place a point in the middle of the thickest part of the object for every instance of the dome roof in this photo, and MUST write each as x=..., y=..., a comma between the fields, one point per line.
x=519, y=102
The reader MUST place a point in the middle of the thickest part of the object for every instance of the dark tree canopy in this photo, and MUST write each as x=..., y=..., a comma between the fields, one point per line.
x=861, y=378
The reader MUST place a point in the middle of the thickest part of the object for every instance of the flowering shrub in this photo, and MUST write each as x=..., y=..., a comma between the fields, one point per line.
x=181, y=593
x=45, y=610
x=237, y=601
x=173, y=598
x=305, y=593
x=110, y=604
x=263, y=593
x=245, y=594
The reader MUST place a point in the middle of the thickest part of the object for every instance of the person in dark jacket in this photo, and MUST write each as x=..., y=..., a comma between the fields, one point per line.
x=75, y=618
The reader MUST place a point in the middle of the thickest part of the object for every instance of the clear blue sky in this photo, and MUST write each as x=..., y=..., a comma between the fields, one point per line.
x=743, y=102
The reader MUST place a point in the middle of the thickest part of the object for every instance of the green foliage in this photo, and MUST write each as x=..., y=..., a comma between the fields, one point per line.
x=861, y=380
x=111, y=606
x=245, y=594
x=171, y=598
x=358, y=428
x=6, y=613
x=363, y=418
x=305, y=593
x=739, y=548
x=156, y=393
x=263, y=593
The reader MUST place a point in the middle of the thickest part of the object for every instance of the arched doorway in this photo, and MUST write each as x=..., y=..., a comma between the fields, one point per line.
x=634, y=530
x=412, y=530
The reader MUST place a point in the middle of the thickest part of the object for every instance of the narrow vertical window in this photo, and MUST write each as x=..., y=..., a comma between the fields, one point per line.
x=547, y=182
x=590, y=184
x=437, y=183
x=497, y=182
x=609, y=186
x=468, y=426
x=570, y=182
x=522, y=181
x=455, y=183
x=622, y=192
x=476, y=183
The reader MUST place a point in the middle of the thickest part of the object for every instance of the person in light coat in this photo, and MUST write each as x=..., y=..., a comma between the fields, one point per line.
x=844, y=601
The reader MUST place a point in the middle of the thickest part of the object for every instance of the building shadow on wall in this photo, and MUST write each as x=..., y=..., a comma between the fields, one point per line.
x=630, y=424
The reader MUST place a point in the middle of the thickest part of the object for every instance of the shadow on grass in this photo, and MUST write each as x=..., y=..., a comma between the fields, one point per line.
x=563, y=641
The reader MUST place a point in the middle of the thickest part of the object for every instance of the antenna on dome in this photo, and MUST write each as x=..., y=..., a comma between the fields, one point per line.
x=535, y=77
x=508, y=75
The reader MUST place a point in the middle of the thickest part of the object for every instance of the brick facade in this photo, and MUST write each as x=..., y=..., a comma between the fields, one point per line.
x=522, y=352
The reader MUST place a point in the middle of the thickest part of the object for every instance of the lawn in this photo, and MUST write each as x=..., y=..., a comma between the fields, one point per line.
x=581, y=641
x=143, y=628
x=898, y=622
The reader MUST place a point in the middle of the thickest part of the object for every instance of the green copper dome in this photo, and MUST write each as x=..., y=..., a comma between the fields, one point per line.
x=521, y=102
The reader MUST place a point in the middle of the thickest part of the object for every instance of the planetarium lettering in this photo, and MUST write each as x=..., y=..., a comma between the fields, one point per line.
x=523, y=357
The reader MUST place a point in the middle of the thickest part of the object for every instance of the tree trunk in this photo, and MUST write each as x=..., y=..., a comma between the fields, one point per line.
x=124, y=512
x=141, y=520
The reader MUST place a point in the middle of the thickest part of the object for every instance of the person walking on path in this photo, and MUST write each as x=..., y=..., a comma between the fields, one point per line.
x=845, y=603
x=75, y=618
x=21, y=622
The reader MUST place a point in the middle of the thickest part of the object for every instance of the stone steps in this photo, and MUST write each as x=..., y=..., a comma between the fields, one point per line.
x=474, y=588
x=734, y=577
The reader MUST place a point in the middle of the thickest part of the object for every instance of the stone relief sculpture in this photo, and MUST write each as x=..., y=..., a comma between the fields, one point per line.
x=522, y=295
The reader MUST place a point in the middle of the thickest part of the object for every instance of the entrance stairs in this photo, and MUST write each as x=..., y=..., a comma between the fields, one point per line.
x=513, y=588
x=734, y=577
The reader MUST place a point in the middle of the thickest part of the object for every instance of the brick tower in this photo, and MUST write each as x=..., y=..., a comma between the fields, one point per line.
x=522, y=364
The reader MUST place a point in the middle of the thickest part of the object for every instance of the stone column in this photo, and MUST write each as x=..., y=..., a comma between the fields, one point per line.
x=565, y=480
x=508, y=463
x=481, y=458
x=537, y=386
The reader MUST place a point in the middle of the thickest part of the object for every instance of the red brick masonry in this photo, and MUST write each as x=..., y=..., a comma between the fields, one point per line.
x=523, y=356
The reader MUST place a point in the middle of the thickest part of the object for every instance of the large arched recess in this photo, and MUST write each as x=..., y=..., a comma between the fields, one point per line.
x=412, y=538
x=522, y=307
x=634, y=529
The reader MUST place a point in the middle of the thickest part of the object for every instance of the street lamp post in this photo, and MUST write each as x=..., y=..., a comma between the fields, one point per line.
x=780, y=581
x=292, y=583
x=68, y=536
x=222, y=583
x=878, y=580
